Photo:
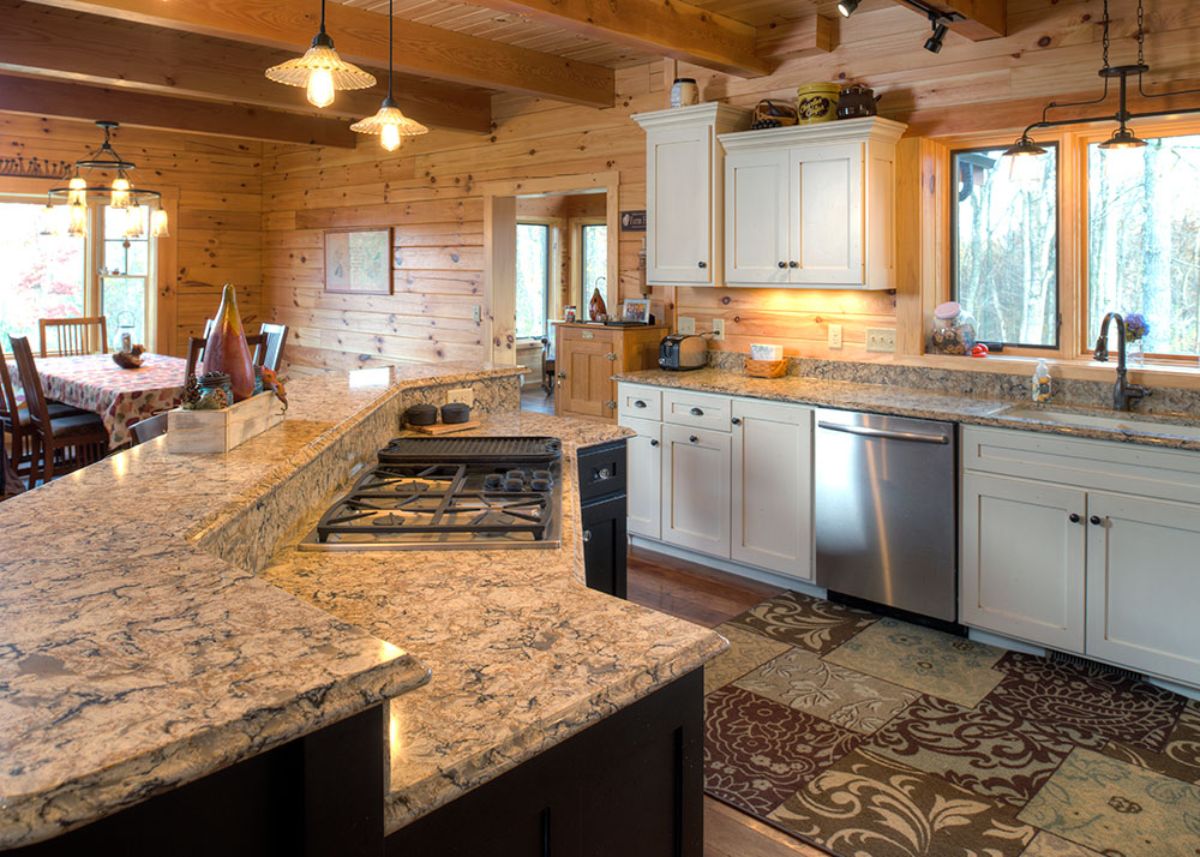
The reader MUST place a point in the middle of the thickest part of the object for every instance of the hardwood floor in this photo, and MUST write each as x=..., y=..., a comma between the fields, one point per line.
x=709, y=597
x=535, y=399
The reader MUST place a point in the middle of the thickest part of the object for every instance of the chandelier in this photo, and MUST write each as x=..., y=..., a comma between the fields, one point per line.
x=81, y=191
x=1123, y=137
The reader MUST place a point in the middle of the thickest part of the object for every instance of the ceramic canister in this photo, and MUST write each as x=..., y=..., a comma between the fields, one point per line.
x=684, y=92
x=817, y=102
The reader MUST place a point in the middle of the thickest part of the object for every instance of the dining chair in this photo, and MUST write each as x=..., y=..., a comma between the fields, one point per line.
x=14, y=420
x=149, y=428
x=195, y=355
x=75, y=335
x=63, y=443
x=269, y=354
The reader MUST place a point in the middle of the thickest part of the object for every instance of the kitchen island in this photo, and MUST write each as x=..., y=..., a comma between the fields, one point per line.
x=152, y=641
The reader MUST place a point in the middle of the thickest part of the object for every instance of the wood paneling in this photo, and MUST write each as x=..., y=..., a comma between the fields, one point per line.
x=216, y=232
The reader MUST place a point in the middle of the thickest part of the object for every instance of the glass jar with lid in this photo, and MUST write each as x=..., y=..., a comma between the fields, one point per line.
x=953, y=330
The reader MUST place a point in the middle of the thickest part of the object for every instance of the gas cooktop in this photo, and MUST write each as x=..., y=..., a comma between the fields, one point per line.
x=450, y=494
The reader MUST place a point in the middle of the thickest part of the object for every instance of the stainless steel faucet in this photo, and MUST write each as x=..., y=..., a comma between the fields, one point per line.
x=1125, y=395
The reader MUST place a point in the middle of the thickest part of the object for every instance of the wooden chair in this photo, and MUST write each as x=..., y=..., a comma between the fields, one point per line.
x=61, y=443
x=269, y=354
x=75, y=335
x=15, y=422
x=149, y=428
x=195, y=355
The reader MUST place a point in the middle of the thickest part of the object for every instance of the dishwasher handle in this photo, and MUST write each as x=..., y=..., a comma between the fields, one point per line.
x=883, y=434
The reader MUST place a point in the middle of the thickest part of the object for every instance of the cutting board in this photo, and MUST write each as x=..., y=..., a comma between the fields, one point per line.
x=445, y=428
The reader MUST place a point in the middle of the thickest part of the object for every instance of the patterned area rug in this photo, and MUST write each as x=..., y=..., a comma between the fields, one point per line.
x=871, y=737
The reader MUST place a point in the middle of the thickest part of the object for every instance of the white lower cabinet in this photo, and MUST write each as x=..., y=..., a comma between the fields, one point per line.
x=1022, y=562
x=643, y=478
x=772, y=487
x=1143, y=584
x=695, y=488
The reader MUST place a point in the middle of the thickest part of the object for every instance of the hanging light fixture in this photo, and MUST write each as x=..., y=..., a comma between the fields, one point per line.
x=389, y=122
x=321, y=71
x=846, y=7
x=1123, y=137
x=79, y=192
x=159, y=227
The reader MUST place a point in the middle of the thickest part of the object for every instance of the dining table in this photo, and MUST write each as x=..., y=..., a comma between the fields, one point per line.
x=122, y=397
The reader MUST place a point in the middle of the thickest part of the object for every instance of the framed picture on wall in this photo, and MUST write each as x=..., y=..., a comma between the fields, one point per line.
x=359, y=261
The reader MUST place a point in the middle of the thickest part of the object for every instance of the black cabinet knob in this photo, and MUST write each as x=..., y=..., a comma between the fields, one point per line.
x=653, y=442
x=783, y=264
x=696, y=412
x=694, y=439
x=793, y=264
x=737, y=421
x=1096, y=521
x=702, y=264
x=639, y=404
x=1074, y=519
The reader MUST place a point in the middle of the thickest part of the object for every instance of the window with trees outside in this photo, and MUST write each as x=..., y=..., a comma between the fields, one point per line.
x=533, y=279
x=594, y=262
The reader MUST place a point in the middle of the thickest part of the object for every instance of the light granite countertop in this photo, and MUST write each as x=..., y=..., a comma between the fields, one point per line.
x=132, y=660
x=933, y=404
x=523, y=655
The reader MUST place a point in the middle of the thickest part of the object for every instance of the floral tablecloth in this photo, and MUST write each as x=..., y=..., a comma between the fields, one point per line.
x=121, y=397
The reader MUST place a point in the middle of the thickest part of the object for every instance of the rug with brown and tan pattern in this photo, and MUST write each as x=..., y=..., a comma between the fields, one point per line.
x=872, y=737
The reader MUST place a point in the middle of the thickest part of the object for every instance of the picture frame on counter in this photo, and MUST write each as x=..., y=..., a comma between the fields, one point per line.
x=635, y=311
x=570, y=314
x=359, y=261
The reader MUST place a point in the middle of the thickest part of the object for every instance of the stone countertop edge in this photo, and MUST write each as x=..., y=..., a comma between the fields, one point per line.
x=134, y=661
x=899, y=401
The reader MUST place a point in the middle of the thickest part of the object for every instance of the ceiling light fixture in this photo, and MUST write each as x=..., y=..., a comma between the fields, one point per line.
x=1123, y=137
x=934, y=43
x=321, y=71
x=389, y=122
x=847, y=7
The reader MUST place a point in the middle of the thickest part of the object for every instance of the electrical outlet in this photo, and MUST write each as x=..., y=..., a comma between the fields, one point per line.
x=835, y=336
x=461, y=394
x=477, y=313
x=685, y=324
x=881, y=339
x=718, y=329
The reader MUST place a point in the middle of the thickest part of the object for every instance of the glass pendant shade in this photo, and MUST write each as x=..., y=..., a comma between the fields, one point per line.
x=159, y=225
x=77, y=220
x=133, y=222
x=392, y=126
x=77, y=191
x=49, y=220
x=120, y=192
x=322, y=72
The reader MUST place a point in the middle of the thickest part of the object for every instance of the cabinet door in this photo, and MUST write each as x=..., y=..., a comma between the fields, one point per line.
x=1143, y=584
x=826, y=214
x=643, y=477
x=605, y=545
x=756, y=217
x=695, y=486
x=585, y=370
x=1022, y=562
x=772, y=487
x=679, y=206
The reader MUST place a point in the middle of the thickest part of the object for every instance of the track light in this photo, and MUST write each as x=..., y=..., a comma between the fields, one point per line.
x=847, y=7
x=934, y=43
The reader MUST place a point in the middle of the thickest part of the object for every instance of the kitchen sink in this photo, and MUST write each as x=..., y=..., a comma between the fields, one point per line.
x=1114, y=422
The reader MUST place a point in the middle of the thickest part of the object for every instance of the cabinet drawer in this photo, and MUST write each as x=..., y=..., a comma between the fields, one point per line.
x=698, y=410
x=643, y=403
x=601, y=470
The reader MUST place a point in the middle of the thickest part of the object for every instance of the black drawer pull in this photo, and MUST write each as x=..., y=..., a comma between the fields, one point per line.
x=696, y=412
x=1074, y=519
x=783, y=264
x=702, y=264
x=601, y=474
x=1096, y=521
x=694, y=439
x=653, y=442
x=639, y=404
x=793, y=264
x=587, y=536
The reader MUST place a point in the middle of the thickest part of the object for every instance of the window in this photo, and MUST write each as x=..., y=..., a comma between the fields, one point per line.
x=1143, y=240
x=1004, y=267
x=43, y=275
x=124, y=273
x=533, y=279
x=594, y=259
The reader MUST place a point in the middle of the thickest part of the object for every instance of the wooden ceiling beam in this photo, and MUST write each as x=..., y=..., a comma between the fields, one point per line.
x=41, y=97
x=981, y=19
x=671, y=28
x=68, y=45
x=362, y=37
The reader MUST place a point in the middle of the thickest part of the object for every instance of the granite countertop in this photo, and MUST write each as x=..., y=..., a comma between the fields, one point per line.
x=134, y=661
x=523, y=655
x=931, y=404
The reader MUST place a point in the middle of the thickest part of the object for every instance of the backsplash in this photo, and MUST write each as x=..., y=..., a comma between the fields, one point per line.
x=1012, y=386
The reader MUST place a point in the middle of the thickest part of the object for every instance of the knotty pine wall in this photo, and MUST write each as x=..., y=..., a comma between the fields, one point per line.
x=216, y=234
x=430, y=190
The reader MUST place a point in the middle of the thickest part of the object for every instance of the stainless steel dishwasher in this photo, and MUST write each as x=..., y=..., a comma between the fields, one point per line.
x=885, y=511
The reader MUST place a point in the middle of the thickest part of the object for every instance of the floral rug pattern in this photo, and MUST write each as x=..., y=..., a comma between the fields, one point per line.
x=871, y=737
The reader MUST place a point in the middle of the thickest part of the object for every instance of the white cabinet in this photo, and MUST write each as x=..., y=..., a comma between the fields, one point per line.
x=1022, y=561
x=685, y=192
x=1143, y=584
x=772, y=487
x=644, y=477
x=812, y=206
x=695, y=489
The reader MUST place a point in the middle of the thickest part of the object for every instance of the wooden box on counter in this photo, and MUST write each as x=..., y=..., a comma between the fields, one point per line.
x=588, y=355
x=221, y=431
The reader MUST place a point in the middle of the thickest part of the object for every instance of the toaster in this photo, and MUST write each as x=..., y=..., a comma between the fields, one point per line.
x=682, y=351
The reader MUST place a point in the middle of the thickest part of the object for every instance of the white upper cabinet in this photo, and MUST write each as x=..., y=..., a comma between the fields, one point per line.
x=812, y=206
x=684, y=193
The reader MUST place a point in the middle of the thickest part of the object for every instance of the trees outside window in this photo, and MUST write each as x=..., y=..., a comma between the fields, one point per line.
x=43, y=275
x=533, y=279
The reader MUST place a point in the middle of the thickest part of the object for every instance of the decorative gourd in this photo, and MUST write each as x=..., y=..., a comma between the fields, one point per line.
x=597, y=310
x=226, y=349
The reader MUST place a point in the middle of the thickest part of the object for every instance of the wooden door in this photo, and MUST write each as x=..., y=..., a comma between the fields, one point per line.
x=643, y=476
x=695, y=486
x=826, y=215
x=1143, y=584
x=584, y=361
x=772, y=524
x=679, y=204
x=756, y=217
x=1022, y=559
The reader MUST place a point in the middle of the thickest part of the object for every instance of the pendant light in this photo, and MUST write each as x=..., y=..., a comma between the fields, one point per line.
x=389, y=122
x=321, y=71
x=1123, y=137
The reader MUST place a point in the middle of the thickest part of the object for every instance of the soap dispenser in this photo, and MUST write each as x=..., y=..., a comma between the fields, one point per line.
x=1041, y=389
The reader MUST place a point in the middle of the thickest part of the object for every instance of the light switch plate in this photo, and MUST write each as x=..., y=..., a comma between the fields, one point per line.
x=461, y=394
x=835, y=336
x=685, y=324
x=881, y=339
x=477, y=313
x=718, y=329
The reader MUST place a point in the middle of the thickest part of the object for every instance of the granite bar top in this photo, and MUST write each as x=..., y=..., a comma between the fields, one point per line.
x=1156, y=430
x=133, y=661
x=523, y=655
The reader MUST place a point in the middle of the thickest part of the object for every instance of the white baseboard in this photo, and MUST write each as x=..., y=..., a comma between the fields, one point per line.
x=721, y=564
